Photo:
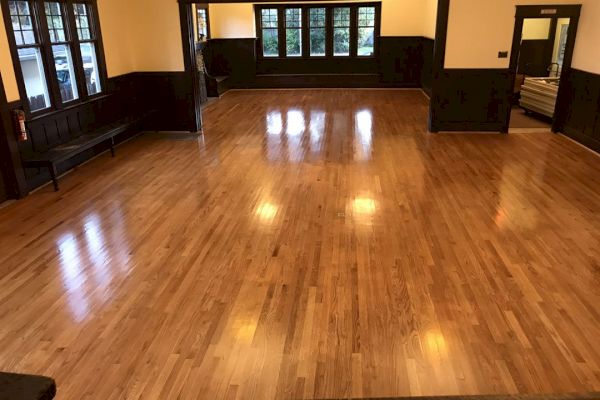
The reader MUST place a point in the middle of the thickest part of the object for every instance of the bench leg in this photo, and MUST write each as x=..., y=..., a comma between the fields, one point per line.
x=112, y=147
x=53, y=175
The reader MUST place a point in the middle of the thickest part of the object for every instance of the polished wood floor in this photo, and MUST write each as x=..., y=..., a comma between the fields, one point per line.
x=313, y=244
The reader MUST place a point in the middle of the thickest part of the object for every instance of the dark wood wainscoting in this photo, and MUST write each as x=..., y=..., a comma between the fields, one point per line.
x=427, y=68
x=579, y=111
x=401, y=62
x=235, y=58
x=167, y=94
x=170, y=95
x=3, y=194
x=471, y=100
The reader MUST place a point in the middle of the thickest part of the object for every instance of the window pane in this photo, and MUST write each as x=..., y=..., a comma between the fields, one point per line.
x=34, y=78
x=269, y=18
x=317, y=20
x=22, y=22
x=65, y=73
x=341, y=41
x=55, y=21
x=366, y=16
x=317, y=41
x=293, y=39
x=270, y=43
x=202, y=24
x=90, y=66
x=341, y=17
x=366, y=40
x=82, y=21
x=293, y=33
x=341, y=31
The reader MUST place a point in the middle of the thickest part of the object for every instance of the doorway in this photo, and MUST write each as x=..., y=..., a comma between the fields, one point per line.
x=542, y=51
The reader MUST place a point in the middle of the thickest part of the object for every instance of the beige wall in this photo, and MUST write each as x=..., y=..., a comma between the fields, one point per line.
x=478, y=30
x=430, y=18
x=536, y=28
x=587, y=48
x=399, y=18
x=155, y=34
x=231, y=21
x=115, y=17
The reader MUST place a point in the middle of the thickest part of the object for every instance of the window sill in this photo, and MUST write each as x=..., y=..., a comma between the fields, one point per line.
x=44, y=114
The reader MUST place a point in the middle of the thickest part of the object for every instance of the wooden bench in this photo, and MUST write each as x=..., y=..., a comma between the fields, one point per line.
x=65, y=151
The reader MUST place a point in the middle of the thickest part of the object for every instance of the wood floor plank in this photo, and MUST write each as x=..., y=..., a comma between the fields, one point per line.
x=311, y=244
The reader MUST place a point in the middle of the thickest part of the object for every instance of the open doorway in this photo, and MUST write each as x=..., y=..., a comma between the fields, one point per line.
x=543, y=45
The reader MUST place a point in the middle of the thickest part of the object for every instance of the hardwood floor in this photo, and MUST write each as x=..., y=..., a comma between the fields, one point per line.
x=313, y=244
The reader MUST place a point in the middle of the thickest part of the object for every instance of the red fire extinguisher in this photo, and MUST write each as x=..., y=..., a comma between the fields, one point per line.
x=20, y=125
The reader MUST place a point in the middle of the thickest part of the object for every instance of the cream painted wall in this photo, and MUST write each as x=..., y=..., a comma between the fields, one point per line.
x=155, y=34
x=430, y=18
x=478, y=30
x=115, y=19
x=536, y=28
x=398, y=18
x=232, y=21
x=587, y=48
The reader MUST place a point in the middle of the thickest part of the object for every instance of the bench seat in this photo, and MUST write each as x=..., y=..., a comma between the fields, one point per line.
x=65, y=151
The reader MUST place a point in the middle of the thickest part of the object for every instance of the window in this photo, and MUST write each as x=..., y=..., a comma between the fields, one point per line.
x=202, y=23
x=30, y=54
x=366, y=31
x=293, y=32
x=341, y=31
x=318, y=31
x=270, y=32
x=87, y=44
x=61, y=52
x=58, y=50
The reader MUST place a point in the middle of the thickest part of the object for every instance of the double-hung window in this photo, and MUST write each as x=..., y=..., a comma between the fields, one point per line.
x=269, y=27
x=57, y=50
x=202, y=22
x=29, y=51
x=88, y=44
x=341, y=31
x=335, y=30
x=293, y=32
x=318, y=31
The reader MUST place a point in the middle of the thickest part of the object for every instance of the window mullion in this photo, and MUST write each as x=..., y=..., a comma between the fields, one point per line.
x=305, y=32
x=281, y=30
x=353, y=31
x=71, y=29
x=45, y=47
x=329, y=32
x=98, y=44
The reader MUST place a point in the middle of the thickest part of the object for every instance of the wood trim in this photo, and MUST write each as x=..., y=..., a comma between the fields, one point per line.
x=188, y=40
x=329, y=6
x=10, y=158
x=537, y=11
x=439, y=57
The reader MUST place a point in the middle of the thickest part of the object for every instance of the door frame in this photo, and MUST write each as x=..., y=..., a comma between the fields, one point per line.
x=546, y=11
x=189, y=59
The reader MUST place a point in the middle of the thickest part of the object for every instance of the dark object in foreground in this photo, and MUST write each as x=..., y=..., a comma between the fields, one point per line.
x=26, y=387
